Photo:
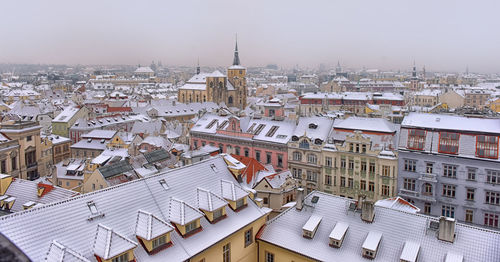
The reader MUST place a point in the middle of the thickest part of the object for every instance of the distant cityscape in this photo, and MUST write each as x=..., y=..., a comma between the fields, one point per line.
x=162, y=163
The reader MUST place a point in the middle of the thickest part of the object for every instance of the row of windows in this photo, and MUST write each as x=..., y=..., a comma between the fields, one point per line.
x=311, y=158
x=492, y=176
x=486, y=146
x=3, y=165
x=490, y=219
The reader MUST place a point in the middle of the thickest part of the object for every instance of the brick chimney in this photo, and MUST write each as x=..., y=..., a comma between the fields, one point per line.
x=446, y=229
x=367, y=211
x=299, y=198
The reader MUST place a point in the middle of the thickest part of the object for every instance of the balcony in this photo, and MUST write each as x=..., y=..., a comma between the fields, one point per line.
x=427, y=177
x=427, y=197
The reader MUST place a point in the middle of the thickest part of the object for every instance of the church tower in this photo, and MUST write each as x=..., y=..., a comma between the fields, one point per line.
x=414, y=79
x=236, y=75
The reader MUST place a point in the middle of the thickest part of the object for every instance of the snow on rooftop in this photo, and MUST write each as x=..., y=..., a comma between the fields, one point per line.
x=451, y=122
x=372, y=240
x=312, y=223
x=365, y=124
x=410, y=251
x=339, y=230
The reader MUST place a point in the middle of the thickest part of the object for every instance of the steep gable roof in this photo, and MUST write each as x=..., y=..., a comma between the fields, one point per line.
x=231, y=191
x=209, y=201
x=182, y=213
x=149, y=226
x=109, y=244
x=60, y=253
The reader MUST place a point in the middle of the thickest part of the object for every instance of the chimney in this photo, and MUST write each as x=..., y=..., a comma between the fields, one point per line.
x=259, y=201
x=446, y=229
x=367, y=211
x=5, y=181
x=299, y=198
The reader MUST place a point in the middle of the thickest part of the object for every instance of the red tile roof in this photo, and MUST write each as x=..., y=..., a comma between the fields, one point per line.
x=253, y=167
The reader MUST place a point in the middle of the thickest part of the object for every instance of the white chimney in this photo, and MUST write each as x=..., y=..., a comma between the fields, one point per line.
x=446, y=229
x=299, y=198
x=367, y=211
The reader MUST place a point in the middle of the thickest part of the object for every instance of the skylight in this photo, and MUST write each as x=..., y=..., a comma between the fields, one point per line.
x=164, y=184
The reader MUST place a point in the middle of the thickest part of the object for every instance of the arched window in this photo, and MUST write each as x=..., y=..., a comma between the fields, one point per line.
x=230, y=100
x=304, y=144
x=297, y=156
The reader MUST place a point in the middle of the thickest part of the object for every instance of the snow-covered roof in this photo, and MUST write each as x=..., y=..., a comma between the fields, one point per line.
x=108, y=243
x=398, y=203
x=149, y=226
x=66, y=115
x=396, y=227
x=451, y=122
x=365, y=124
x=209, y=201
x=119, y=206
x=314, y=127
x=144, y=69
x=100, y=134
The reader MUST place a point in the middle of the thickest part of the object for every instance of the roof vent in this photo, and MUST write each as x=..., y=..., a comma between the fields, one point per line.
x=438, y=119
x=94, y=212
x=164, y=184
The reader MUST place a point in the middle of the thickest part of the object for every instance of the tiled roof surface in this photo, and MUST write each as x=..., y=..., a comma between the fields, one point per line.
x=71, y=222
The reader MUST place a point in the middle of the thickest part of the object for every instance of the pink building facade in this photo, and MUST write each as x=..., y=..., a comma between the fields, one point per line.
x=263, y=139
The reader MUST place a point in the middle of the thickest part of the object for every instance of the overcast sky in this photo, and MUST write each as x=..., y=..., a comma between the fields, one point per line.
x=443, y=35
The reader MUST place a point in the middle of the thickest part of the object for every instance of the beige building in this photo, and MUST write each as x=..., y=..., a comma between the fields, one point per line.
x=65, y=120
x=360, y=170
x=9, y=156
x=425, y=98
x=477, y=98
x=27, y=134
x=452, y=98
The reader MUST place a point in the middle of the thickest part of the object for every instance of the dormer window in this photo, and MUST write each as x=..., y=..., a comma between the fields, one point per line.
x=338, y=234
x=410, y=252
x=112, y=246
x=234, y=195
x=185, y=217
x=212, y=205
x=152, y=232
x=313, y=126
x=371, y=244
x=311, y=226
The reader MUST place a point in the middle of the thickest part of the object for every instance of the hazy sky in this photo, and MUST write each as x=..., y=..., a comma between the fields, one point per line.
x=386, y=34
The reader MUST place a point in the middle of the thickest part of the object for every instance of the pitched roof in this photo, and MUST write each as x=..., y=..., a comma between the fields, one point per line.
x=209, y=201
x=109, y=243
x=230, y=191
x=60, y=253
x=71, y=222
x=157, y=155
x=114, y=169
x=182, y=213
x=149, y=226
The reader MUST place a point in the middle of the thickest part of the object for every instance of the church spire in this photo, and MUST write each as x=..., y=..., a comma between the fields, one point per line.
x=198, y=67
x=236, y=60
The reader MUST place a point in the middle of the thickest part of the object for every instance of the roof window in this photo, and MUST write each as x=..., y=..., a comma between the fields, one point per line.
x=164, y=184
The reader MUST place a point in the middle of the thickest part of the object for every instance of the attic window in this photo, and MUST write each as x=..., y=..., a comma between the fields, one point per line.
x=102, y=141
x=94, y=212
x=271, y=131
x=309, y=229
x=92, y=208
x=250, y=129
x=313, y=126
x=164, y=184
x=214, y=168
x=223, y=124
x=211, y=124
x=89, y=140
x=295, y=138
x=259, y=129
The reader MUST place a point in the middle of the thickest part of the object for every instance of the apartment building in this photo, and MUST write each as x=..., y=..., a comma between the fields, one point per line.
x=360, y=159
x=27, y=135
x=449, y=166
x=304, y=151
